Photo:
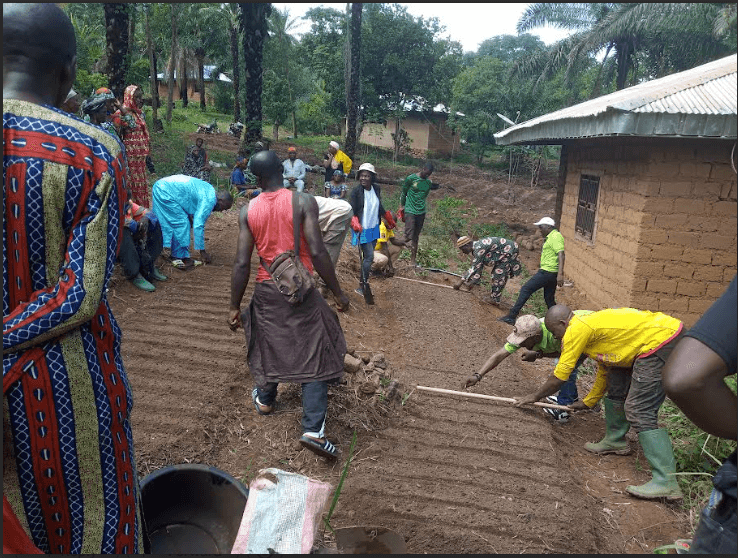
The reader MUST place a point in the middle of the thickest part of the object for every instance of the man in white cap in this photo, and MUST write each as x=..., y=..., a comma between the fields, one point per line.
x=548, y=276
x=530, y=334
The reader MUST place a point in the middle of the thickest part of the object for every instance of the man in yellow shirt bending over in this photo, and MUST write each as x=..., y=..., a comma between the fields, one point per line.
x=631, y=347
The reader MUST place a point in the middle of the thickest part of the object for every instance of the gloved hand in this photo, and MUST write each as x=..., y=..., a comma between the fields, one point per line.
x=390, y=220
x=150, y=164
x=355, y=224
x=401, y=214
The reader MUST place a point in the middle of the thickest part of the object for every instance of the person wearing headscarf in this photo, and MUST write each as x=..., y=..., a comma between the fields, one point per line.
x=95, y=110
x=336, y=159
x=136, y=141
x=196, y=161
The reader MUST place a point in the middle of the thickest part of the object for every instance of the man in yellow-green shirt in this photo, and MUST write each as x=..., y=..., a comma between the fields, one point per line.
x=631, y=347
x=549, y=275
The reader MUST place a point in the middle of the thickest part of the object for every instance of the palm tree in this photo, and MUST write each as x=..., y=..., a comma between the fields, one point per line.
x=280, y=26
x=647, y=34
x=255, y=29
x=230, y=14
x=152, y=64
x=352, y=88
x=116, y=36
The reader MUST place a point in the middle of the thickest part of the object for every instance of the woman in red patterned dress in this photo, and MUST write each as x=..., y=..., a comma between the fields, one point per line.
x=136, y=140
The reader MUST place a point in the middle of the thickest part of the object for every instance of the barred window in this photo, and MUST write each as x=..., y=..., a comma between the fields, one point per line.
x=589, y=188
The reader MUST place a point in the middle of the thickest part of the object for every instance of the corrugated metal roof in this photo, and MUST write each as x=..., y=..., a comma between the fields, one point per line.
x=701, y=102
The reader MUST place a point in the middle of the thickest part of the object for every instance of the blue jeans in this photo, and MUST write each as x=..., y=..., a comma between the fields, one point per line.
x=716, y=531
x=568, y=392
x=314, y=405
x=545, y=280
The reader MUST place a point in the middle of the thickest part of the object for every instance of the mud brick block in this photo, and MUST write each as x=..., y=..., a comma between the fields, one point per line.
x=694, y=256
x=654, y=236
x=716, y=290
x=681, y=271
x=727, y=191
x=700, y=171
x=648, y=188
x=702, y=223
x=727, y=227
x=673, y=189
x=691, y=288
x=728, y=274
x=709, y=191
x=638, y=285
x=663, y=171
x=723, y=208
x=689, y=319
x=721, y=172
x=667, y=286
x=677, y=304
x=666, y=253
x=700, y=305
x=729, y=258
x=718, y=242
x=644, y=301
x=692, y=206
x=708, y=273
x=659, y=205
x=686, y=239
x=650, y=269
x=673, y=221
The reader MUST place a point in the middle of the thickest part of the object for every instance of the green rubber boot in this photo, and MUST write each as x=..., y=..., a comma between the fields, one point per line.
x=657, y=448
x=158, y=275
x=616, y=427
x=142, y=283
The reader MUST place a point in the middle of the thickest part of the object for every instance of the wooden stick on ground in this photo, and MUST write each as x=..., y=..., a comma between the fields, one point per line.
x=424, y=282
x=489, y=397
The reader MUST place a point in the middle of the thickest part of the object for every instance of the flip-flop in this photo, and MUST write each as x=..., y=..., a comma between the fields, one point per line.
x=324, y=449
x=258, y=406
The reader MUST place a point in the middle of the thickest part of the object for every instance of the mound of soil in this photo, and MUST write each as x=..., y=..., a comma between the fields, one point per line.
x=451, y=475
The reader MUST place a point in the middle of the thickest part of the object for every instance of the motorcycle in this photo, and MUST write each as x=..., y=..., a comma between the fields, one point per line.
x=208, y=128
x=235, y=130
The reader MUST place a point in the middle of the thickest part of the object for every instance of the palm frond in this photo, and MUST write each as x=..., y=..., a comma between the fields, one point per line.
x=561, y=15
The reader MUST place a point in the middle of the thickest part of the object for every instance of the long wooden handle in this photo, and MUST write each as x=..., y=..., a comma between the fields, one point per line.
x=489, y=397
x=424, y=282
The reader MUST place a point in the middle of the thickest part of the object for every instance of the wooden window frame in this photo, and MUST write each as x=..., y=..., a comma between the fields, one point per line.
x=587, y=202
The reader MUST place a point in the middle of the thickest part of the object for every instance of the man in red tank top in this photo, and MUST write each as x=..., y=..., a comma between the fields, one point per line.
x=301, y=344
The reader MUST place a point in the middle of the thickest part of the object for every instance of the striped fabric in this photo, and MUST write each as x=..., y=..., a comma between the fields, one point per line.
x=69, y=471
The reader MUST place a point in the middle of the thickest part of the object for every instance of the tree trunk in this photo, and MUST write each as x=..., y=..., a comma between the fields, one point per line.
x=236, y=75
x=352, y=89
x=116, y=38
x=201, y=76
x=152, y=68
x=254, y=22
x=183, y=81
x=155, y=100
x=275, y=130
x=131, y=31
x=170, y=93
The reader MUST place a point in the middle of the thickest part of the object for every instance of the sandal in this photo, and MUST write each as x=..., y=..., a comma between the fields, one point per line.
x=324, y=449
x=180, y=264
x=261, y=409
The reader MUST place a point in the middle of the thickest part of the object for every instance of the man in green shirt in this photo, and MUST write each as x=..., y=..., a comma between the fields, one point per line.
x=549, y=275
x=530, y=334
x=415, y=190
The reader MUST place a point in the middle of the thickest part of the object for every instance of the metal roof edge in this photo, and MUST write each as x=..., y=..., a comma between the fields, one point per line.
x=615, y=122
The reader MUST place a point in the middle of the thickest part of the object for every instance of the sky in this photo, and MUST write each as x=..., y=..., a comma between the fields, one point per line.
x=469, y=24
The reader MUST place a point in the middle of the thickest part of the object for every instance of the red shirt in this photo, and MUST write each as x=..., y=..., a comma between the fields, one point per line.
x=270, y=221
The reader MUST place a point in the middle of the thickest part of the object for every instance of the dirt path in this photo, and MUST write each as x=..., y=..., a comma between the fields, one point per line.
x=450, y=475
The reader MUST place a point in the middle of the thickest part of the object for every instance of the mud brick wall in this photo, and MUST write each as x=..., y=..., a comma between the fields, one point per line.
x=665, y=230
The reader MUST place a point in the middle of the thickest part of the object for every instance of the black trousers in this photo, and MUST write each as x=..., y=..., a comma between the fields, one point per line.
x=134, y=258
x=545, y=280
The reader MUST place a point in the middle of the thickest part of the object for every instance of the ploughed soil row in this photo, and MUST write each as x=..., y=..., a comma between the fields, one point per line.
x=451, y=475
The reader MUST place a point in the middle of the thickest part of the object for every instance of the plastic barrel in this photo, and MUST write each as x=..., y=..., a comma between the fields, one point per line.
x=192, y=509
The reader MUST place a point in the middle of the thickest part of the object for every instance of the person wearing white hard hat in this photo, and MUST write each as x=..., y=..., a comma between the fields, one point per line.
x=549, y=276
x=366, y=202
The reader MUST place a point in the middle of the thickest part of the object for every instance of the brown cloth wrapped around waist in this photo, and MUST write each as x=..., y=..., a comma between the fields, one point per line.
x=296, y=344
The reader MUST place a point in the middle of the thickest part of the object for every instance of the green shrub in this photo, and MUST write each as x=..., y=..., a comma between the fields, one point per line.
x=87, y=83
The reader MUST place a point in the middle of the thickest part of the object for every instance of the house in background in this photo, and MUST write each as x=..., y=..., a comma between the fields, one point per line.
x=426, y=129
x=646, y=198
x=193, y=95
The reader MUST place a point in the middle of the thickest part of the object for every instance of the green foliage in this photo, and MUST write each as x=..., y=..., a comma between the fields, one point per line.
x=138, y=73
x=86, y=83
